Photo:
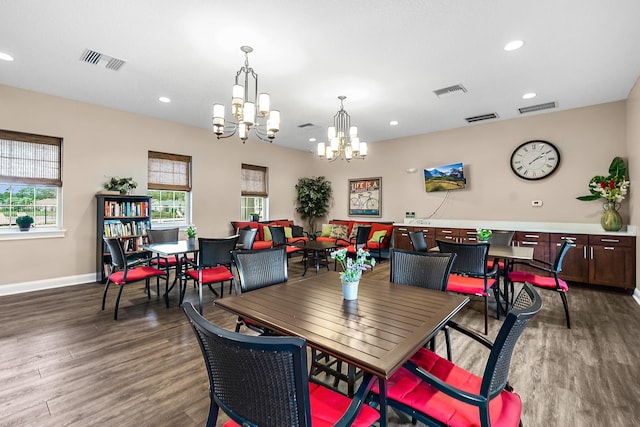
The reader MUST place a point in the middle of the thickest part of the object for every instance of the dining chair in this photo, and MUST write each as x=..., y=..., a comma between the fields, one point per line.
x=428, y=270
x=263, y=381
x=213, y=265
x=500, y=238
x=469, y=274
x=278, y=239
x=259, y=269
x=549, y=281
x=125, y=269
x=360, y=240
x=246, y=238
x=437, y=392
x=418, y=241
x=163, y=236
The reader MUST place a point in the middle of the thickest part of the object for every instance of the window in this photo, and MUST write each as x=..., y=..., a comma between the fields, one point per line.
x=30, y=179
x=253, y=186
x=170, y=188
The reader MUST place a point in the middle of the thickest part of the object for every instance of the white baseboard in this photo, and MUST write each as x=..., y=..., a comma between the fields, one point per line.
x=38, y=285
x=636, y=295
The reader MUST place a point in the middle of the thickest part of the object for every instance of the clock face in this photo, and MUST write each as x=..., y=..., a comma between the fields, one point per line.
x=535, y=159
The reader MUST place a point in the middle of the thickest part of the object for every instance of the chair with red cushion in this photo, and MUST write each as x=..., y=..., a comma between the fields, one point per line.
x=213, y=266
x=278, y=238
x=263, y=381
x=124, y=270
x=437, y=392
x=469, y=274
x=259, y=269
x=551, y=282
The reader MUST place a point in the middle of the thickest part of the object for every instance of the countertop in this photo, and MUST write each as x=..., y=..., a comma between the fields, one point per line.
x=541, y=227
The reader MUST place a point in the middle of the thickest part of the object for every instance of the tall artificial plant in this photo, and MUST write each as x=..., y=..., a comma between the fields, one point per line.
x=313, y=199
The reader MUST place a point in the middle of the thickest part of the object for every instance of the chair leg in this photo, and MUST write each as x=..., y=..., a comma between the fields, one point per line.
x=115, y=312
x=486, y=315
x=563, y=295
x=447, y=339
x=200, y=296
x=104, y=295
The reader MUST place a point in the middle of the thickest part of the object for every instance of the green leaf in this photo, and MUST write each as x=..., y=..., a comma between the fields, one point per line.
x=617, y=168
x=589, y=197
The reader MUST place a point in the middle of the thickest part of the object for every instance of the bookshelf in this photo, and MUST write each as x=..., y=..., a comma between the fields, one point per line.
x=127, y=217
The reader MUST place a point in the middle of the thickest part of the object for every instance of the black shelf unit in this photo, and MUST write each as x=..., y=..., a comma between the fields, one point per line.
x=127, y=217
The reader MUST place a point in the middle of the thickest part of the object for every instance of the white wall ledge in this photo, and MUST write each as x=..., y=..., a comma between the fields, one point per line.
x=34, y=233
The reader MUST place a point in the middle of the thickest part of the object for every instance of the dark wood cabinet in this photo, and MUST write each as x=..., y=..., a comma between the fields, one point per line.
x=575, y=266
x=538, y=241
x=127, y=217
x=401, y=236
x=612, y=261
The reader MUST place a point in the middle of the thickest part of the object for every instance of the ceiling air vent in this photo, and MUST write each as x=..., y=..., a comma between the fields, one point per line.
x=451, y=90
x=482, y=117
x=538, y=107
x=306, y=125
x=92, y=57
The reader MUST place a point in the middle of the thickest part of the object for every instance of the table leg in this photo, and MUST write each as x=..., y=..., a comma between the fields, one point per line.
x=317, y=255
x=305, y=261
x=382, y=402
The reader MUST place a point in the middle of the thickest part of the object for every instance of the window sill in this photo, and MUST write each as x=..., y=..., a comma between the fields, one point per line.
x=34, y=233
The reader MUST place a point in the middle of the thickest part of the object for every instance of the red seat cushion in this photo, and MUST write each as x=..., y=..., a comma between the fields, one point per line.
x=504, y=410
x=135, y=274
x=211, y=275
x=332, y=240
x=261, y=244
x=540, y=281
x=352, y=249
x=468, y=285
x=327, y=406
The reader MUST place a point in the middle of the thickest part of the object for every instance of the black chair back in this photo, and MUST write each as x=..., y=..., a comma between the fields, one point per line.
x=163, y=235
x=118, y=257
x=501, y=238
x=423, y=269
x=277, y=236
x=362, y=235
x=471, y=259
x=258, y=269
x=418, y=241
x=217, y=251
x=496, y=373
x=256, y=380
x=247, y=237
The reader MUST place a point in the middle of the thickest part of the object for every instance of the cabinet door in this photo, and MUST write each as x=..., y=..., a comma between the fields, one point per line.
x=575, y=266
x=467, y=235
x=540, y=244
x=611, y=261
x=401, y=238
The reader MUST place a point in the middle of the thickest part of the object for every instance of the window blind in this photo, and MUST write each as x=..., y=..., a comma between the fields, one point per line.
x=30, y=159
x=169, y=172
x=254, y=181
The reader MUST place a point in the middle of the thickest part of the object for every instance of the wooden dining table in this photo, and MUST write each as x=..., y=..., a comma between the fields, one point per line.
x=376, y=333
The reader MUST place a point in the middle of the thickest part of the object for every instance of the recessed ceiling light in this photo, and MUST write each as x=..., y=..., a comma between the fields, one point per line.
x=164, y=99
x=513, y=45
x=6, y=56
x=393, y=123
x=312, y=140
x=529, y=95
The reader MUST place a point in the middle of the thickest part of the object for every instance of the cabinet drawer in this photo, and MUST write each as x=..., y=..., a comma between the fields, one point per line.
x=531, y=236
x=621, y=241
x=578, y=239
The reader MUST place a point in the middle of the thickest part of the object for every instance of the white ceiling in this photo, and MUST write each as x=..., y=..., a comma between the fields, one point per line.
x=386, y=56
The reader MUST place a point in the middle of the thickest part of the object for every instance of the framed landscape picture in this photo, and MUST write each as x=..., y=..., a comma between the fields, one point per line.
x=365, y=197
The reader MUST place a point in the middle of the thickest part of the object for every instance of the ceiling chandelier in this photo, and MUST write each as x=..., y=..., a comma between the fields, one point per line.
x=343, y=138
x=248, y=113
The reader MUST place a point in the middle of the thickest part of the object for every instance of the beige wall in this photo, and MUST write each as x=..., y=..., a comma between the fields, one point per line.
x=633, y=145
x=100, y=142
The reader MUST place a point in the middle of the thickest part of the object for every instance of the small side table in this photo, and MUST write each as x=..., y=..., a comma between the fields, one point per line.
x=317, y=250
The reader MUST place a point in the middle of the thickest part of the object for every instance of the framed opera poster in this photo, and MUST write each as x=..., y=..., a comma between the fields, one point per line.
x=365, y=197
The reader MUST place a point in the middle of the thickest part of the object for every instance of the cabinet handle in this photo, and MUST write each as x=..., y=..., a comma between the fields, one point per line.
x=532, y=236
x=609, y=248
x=447, y=231
x=404, y=234
x=570, y=238
x=591, y=249
x=584, y=251
x=610, y=240
x=529, y=243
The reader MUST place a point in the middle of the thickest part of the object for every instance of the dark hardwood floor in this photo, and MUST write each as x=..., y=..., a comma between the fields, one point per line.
x=67, y=363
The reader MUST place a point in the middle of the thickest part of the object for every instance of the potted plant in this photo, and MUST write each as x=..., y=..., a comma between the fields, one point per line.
x=352, y=270
x=123, y=185
x=24, y=222
x=612, y=188
x=255, y=217
x=483, y=234
x=191, y=235
x=313, y=200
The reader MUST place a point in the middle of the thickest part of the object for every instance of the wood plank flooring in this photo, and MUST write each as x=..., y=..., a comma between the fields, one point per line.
x=64, y=362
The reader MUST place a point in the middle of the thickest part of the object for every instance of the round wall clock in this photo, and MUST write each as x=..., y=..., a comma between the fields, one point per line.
x=535, y=159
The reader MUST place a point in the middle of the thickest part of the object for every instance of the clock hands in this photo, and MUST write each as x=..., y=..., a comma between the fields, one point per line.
x=540, y=156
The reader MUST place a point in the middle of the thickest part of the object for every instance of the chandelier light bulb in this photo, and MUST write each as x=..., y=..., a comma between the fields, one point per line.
x=321, y=149
x=264, y=104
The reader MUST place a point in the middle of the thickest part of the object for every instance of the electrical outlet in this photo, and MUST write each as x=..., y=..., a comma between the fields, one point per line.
x=536, y=203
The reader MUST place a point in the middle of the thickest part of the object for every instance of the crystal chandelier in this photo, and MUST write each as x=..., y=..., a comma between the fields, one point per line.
x=343, y=138
x=248, y=113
